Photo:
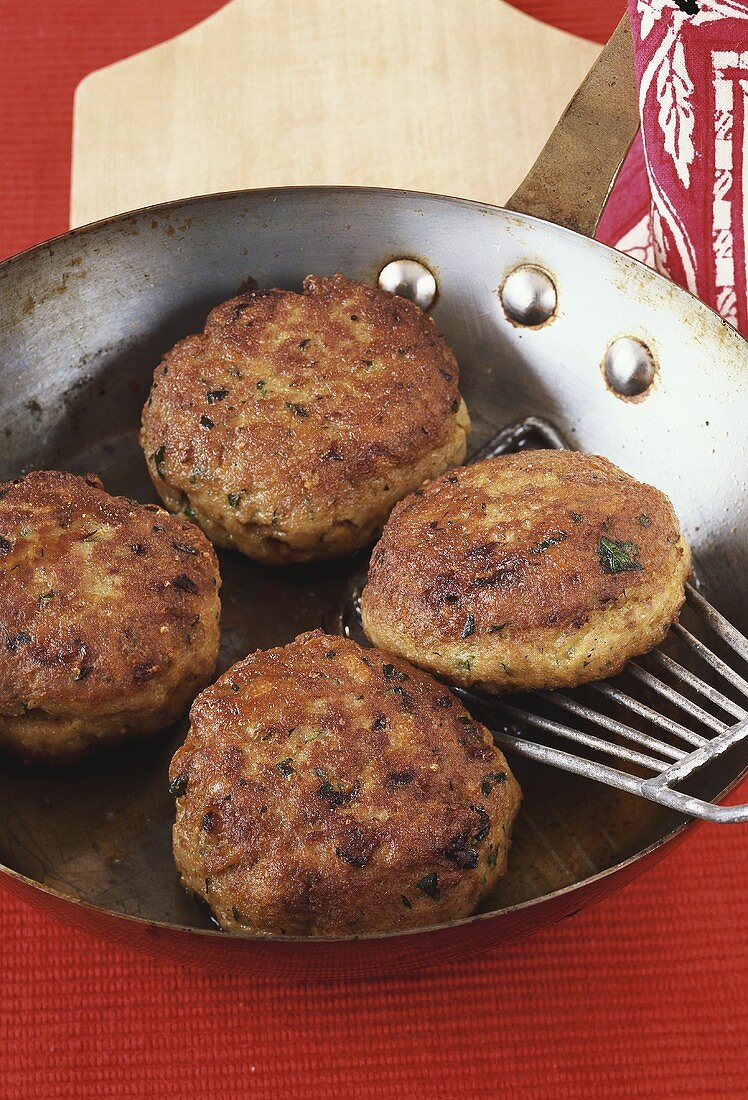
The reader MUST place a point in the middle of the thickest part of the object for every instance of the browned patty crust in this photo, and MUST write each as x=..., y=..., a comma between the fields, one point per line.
x=108, y=616
x=327, y=789
x=292, y=424
x=535, y=570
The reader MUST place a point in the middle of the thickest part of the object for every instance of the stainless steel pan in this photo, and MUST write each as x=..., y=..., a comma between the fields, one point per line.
x=535, y=311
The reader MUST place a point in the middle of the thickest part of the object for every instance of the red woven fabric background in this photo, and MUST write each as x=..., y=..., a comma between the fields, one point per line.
x=642, y=996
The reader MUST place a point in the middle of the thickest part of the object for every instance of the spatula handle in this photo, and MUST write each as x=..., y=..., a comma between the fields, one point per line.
x=570, y=181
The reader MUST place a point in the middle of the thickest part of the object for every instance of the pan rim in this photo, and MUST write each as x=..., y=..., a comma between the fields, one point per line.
x=356, y=189
x=677, y=831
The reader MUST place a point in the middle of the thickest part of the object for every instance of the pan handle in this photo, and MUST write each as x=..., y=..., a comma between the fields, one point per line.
x=570, y=181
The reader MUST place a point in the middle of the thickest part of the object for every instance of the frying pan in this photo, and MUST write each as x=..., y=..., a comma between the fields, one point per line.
x=538, y=314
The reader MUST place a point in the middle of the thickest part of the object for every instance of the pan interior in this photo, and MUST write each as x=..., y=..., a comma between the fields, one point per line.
x=85, y=321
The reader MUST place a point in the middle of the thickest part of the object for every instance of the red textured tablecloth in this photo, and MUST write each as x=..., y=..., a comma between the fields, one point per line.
x=641, y=996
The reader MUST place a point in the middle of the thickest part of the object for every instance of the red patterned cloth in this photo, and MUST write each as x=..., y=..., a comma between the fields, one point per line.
x=680, y=202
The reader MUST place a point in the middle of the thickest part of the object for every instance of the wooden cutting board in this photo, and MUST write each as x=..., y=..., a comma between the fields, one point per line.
x=454, y=96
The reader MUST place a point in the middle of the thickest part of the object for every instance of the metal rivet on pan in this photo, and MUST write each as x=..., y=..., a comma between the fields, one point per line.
x=629, y=367
x=410, y=279
x=528, y=295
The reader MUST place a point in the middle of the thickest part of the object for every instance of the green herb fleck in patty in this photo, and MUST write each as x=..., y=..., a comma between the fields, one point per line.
x=618, y=557
x=552, y=540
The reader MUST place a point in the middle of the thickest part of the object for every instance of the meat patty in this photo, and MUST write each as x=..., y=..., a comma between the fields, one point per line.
x=108, y=616
x=325, y=789
x=293, y=423
x=535, y=570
